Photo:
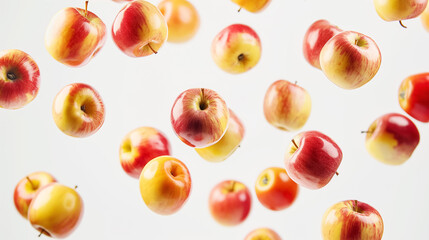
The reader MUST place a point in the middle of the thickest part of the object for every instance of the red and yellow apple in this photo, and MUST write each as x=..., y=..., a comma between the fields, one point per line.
x=78, y=110
x=397, y=10
x=414, y=96
x=74, y=36
x=236, y=49
x=165, y=185
x=424, y=17
x=392, y=138
x=252, y=5
x=263, y=234
x=287, y=106
x=139, y=29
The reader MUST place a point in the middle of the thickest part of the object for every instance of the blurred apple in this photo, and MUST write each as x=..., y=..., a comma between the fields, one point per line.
x=263, y=234
x=252, y=5
x=424, y=17
x=414, y=96
x=397, y=10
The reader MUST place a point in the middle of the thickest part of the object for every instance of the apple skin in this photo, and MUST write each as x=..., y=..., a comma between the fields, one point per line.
x=227, y=145
x=352, y=220
x=165, y=185
x=424, y=17
x=392, y=138
x=19, y=79
x=182, y=19
x=74, y=36
x=26, y=190
x=350, y=59
x=263, y=234
x=414, y=98
x=140, y=146
x=121, y=1
x=236, y=49
x=315, y=38
x=396, y=10
x=253, y=6
x=287, y=106
x=275, y=190
x=230, y=202
x=78, y=110
x=56, y=210
x=139, y=29
x=199, y=117
x=312, y=159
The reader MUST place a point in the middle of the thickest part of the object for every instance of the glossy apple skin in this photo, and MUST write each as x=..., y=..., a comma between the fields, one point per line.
x=396, y=10
x=230, y=202
x=263, y=234
x=165, y=185
x=352, y=220
x=138, y=27
x=315, y=161
x=287, y=106
x=182, y=19
x=25, y=191
x=74, y=37
x=227, y=145
x=315, y=38
x=78, y=110
x=57, y=209
x=413, y=96
x=350, y=59
x=236, y=49
x=19, y=79
x=199, y=117
x=392, y=138
x=275, y=190
x=253, y=6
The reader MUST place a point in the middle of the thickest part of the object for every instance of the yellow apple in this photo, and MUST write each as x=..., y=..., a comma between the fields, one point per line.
x=252, y=5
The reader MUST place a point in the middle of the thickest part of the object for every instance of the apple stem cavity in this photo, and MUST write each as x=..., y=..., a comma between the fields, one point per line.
x=240, y=57
x=86, y=8
x=11, y=76
x=31, y=182
x=231, y=187
x=265, y=180
x=294, y=143
x=83, y=108
x=153, y=50
x=402, y=25
x=203, y=102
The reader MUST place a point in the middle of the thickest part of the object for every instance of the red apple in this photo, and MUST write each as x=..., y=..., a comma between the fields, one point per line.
x=78, y=110
x=139, y=29
x=350, y=59
x=199, y=117
x=230, y=202
x=315, y=38
x=414, y=96
x=263, y=234
x=165, y=185
x=397, y=10
x=139, y=147
x=352, y=220
x=26, y=190
x=312, y=159
x=19, y=79
x=74, y=36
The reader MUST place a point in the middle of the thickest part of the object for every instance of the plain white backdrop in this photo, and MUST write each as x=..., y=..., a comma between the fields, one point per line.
x=140, y=92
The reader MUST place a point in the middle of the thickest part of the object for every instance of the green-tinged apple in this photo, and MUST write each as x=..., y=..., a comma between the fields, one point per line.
x=199, y=117
x=263, y=234
x=414, y=96
x=78, y=110
x=140, y=146
x=350, y=59
x=287, y=106
x=275, y=190
x=230, y=202
x=236, y=49
x=352, y=220
x=74, y=36
x=56, y=210
x=227, y=145
x=26, y=190
x=253, y=6
x=392, y=138
x=139, y=29
x=312, y=159
x=397, y=10
x=19, y=79
x=165, y=185
x=182, y=19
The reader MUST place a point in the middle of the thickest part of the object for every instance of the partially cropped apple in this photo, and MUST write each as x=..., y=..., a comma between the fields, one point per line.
x=392, y=138
x=236, y=49
x=424, y=17
x=397, y=10
x=165, y=185
x=74, y=36
x=19, y=79
x=413, y=96
x=263, y=234
x=352, y=219
x=56, y=210
x=78, y=110
x=287, y=106
x=350, y=59
x=227, y=145
x=312, y=159
x=139, y=29
x=199, y=117
x=252, y=5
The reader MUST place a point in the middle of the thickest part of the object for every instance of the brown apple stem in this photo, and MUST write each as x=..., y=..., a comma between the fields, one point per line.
x=336, y=173
x=75, y=187
x=366, y=132
x=86, y=8
x=240, y=57
x=31, y=182
x=402, y=25
x=239, y=10
x=294, y=143
x=355, y=206
x=152, y=48
x=42, y=231
x=231, y=188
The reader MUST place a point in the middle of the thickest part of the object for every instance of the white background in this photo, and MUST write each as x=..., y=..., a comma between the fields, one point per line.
x=140, y=92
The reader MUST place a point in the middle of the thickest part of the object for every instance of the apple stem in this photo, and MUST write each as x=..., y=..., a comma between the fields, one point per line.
x=231, y=188
x=86, y=8
x=239, y=10
x=366, y=132
x=75, y=187
x=294, y=143
x=402, y=25
x=296, y=82
x=32, y=184
x=240, y=57
x=265, y=180
x=11, y=76
x=41, y=232
x=355, y=206
x=336, y=173
x=152, y=48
